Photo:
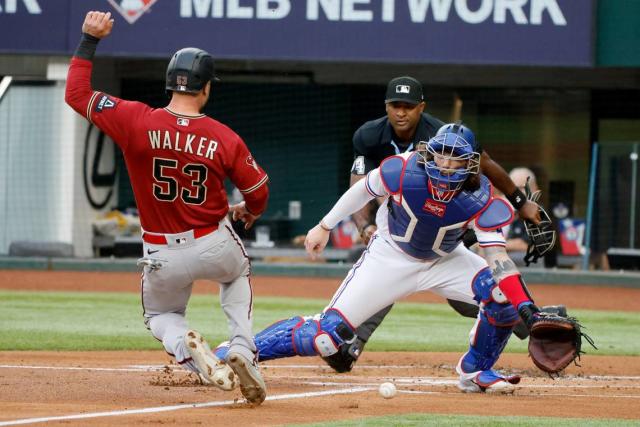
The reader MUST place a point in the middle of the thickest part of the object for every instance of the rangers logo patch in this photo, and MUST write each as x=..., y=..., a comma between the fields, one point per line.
x=105, y=102
x=131, y=10
x=434, y=208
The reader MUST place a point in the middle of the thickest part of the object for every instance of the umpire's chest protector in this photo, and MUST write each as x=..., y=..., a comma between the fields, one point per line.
x=421, y=226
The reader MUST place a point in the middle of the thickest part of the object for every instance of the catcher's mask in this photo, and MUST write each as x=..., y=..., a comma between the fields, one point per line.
x=445, y=181
x=189, y=70
x=542, y=237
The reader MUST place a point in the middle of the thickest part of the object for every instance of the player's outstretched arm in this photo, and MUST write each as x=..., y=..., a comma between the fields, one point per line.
x=501, y=180
x=78, y=93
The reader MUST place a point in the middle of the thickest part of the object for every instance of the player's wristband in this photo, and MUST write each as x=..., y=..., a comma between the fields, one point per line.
x=517, y=199
x=87, y=47
x=323, y=226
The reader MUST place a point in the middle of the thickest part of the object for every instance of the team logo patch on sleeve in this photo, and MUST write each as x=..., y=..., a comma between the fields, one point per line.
x=251, y=162
x=435, y=208
x=358, y=166
x=105, y=102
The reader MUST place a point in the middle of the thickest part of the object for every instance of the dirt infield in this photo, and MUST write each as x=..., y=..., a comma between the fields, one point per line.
x=127, y=388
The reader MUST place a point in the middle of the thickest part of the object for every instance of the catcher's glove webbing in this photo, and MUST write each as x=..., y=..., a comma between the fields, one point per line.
x=555, y=340
x=542, y=236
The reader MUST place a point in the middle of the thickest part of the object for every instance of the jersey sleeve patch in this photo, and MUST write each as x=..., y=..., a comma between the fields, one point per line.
x=391, y=171
x=104, y=102
x=498, y=214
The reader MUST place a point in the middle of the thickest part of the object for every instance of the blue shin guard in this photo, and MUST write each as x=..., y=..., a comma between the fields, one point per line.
x=320, y=335
x=487, y=339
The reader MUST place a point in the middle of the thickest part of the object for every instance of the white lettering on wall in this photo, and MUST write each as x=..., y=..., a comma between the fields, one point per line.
x=272, y=9
x=388, y=10
x=330, y=8
x=32, y=6
x=418, y=10
x=349, y=12
x=515, y=7
x=474, y=17
x=539, y=6
x=234, y=10
x=201, y=8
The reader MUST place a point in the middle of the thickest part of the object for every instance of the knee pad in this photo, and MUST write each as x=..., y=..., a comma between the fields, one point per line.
x=486, y=289
x=322, y=335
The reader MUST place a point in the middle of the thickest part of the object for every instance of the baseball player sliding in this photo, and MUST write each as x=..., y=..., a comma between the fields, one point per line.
x=177, y=159
x=431, y=196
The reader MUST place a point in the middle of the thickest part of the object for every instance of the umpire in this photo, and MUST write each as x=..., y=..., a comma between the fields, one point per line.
x=405, y=124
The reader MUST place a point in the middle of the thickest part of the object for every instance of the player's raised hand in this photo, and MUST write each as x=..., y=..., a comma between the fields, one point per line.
x=317, y=239
x=97, y=24
x=240, y=212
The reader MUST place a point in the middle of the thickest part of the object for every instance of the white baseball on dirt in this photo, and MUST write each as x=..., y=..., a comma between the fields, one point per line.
x=387, y=390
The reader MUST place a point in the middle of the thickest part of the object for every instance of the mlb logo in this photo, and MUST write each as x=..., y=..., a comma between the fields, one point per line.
x=403, y=89
x=183, y=122
x=131, y=10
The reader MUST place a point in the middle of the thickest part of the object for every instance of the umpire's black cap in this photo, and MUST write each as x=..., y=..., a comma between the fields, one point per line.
x=404, y=89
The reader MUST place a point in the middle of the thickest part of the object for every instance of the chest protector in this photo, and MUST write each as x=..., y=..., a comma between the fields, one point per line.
x=421, y=226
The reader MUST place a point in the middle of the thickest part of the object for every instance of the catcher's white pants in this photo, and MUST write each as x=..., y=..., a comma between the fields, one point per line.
x=166, y=288
x=384, y=274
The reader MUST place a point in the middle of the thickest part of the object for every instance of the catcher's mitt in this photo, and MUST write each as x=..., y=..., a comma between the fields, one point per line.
x=555, y=340
x=542, y=236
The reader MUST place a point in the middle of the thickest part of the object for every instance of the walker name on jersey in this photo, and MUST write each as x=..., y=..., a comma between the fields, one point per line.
x=185, y=143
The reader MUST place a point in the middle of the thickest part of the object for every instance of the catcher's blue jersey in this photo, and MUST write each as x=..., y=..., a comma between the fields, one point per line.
x=421, y=226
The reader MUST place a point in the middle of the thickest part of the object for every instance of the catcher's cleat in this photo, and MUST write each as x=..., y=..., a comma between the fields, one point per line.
x=211, y=370
x=251, y=383
x=488, y=381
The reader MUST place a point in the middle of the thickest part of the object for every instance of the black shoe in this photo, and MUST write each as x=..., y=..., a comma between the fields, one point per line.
x=346, y=356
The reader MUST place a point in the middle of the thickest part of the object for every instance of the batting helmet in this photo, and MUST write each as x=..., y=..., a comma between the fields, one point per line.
x=189, y=70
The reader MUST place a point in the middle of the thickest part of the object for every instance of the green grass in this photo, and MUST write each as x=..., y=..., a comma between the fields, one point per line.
x=473, y=421
x=113, y=321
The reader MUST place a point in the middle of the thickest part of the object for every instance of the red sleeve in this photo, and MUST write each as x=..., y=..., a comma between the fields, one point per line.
x=109, y=113
x=249, y=178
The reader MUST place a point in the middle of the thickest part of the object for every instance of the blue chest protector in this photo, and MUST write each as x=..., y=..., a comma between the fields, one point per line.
x=421, y=226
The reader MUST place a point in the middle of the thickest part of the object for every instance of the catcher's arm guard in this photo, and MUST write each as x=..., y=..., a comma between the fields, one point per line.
x=555, y=339
x=542, y=236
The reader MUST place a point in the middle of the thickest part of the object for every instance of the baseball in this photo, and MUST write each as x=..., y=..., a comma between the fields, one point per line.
x=387, y=390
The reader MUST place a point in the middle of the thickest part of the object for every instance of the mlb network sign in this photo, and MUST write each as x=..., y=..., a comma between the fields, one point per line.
x=515, y=32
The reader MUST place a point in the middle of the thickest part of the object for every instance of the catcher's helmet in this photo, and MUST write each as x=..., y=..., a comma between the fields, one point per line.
x=189, y=70
x=461, y=130
x=446, y=181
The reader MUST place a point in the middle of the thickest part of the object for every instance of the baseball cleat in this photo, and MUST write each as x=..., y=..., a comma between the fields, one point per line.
x=488, y=381
x=211, y=370
x=251, y=383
